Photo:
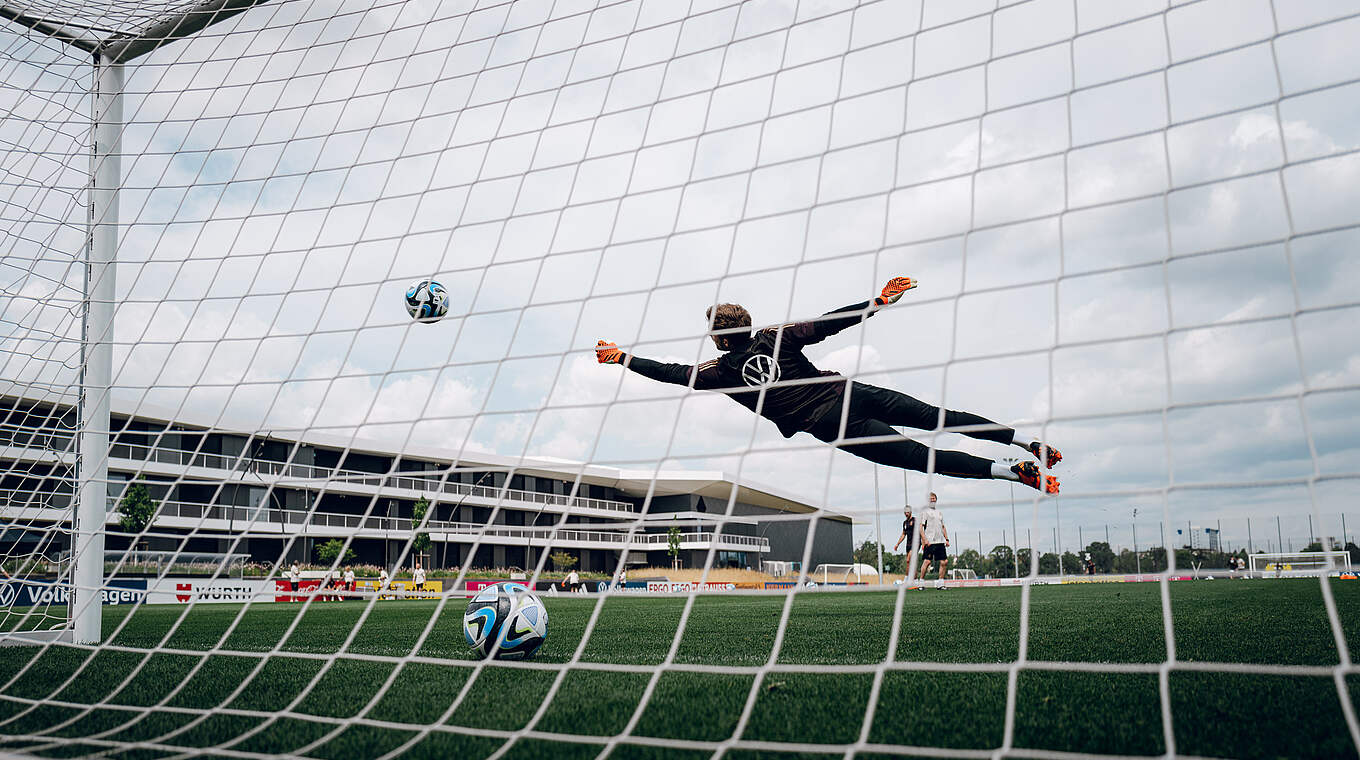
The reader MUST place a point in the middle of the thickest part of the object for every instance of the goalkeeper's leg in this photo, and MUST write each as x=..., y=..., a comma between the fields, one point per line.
x=897, y=408
x=896, y=450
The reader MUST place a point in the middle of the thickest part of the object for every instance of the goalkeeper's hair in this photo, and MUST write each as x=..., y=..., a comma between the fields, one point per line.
x=728, y=318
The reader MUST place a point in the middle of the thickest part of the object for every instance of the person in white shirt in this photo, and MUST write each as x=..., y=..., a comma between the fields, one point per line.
x=935, y=540
x=382, y=582
x=573, y=581
x=349, y=579
x=293, y=581
x=418, y=578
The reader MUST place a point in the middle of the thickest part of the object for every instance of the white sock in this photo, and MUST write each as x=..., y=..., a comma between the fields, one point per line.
x=1002, y=472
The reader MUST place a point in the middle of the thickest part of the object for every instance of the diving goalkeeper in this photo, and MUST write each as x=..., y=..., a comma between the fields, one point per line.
x=766, y=372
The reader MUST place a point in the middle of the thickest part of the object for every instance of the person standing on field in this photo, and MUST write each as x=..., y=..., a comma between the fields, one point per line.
x=293, y=581
x=908, y=535
x=934, y=540
x=418, y=578
x=349, y=579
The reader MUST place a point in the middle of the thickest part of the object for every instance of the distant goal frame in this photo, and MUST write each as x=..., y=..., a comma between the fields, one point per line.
x=1270, y=565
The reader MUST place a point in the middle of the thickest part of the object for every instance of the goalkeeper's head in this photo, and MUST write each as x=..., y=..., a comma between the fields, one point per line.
x=731, y=325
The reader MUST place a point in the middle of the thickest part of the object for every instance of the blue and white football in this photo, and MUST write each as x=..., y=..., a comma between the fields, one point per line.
x=506, y=621
x=427, y=301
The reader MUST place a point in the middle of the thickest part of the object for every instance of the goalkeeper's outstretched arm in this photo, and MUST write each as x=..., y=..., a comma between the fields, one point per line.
x=675, y=374
x=800, y=334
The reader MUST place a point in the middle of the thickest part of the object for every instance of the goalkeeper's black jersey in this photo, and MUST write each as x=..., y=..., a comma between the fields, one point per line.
x=797, y=394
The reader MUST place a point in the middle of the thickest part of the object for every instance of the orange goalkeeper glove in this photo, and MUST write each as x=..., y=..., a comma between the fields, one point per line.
x=608, y=353
x=894, y=290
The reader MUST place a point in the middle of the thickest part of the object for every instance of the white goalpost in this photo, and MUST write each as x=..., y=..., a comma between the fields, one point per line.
x=109, y=51
x=245, y=457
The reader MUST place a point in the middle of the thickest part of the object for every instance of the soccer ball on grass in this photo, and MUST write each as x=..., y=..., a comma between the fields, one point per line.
x=505, y=620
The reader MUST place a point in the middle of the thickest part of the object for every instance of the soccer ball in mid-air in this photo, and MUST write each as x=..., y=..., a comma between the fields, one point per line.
x=427, y=301
x=506, y=620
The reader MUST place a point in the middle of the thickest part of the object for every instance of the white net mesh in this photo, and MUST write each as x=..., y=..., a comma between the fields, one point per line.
x=1132, y=225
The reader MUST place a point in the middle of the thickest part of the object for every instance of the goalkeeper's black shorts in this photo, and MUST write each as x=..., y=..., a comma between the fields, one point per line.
x=872, y=413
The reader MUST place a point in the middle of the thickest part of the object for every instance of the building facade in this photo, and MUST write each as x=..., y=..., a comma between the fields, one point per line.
x=1199, y=537
x=277, y=497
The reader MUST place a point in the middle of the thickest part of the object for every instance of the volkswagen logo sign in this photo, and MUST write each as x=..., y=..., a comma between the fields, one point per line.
x=8, y=593
x=760, y=369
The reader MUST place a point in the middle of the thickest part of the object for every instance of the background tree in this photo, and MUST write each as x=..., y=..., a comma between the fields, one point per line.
x=136, y=509
x=1154, y=560
x=1072, y=564
x=896, y=563
x=563, y=561
x=970, y=559
x=1102, y=555
x=1048, y=563
x=673, y=546
x=327, y=552
x=867, y=553
x=1186, y=560
x=421, y=544
x=1126, y=562
x=1025, y=557
x=1003, y=561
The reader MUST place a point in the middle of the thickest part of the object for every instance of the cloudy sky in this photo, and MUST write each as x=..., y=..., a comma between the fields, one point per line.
x=1135, y=229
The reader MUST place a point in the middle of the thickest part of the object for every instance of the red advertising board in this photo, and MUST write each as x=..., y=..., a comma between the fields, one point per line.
x=285, y=593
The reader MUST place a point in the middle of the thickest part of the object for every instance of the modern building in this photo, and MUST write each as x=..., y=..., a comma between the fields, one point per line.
x=1198, y=537
x=219, y=490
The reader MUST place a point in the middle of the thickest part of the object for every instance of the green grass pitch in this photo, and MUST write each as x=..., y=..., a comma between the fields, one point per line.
x=1220, y=714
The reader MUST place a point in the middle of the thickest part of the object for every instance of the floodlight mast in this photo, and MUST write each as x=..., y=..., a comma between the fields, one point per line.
x=96, y=370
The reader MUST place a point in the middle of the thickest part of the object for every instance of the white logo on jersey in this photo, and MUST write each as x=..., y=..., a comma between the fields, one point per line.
x=760, y=369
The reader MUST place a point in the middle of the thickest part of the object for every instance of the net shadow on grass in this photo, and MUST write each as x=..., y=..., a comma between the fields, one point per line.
x=938, y=709
x=793, y=707
x=1288, y=622
x=1252, y=715
x=634, y=631
x=1092, y=713
x=976, y=625
x=503, y=698
x=838, y=629
x=593, y=702
x=716, y=699
x=730, y=630
x=420, y=693
x=1085, y=624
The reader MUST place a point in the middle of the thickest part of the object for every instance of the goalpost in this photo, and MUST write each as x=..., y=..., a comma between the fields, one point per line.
x=1132, y=224
x=109, y=50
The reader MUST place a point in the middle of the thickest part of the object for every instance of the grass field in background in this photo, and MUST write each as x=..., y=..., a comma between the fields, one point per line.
x=1280, y=622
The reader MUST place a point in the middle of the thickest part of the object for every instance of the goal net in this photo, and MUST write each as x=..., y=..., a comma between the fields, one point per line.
x=1285, y=564
x=245, y=495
